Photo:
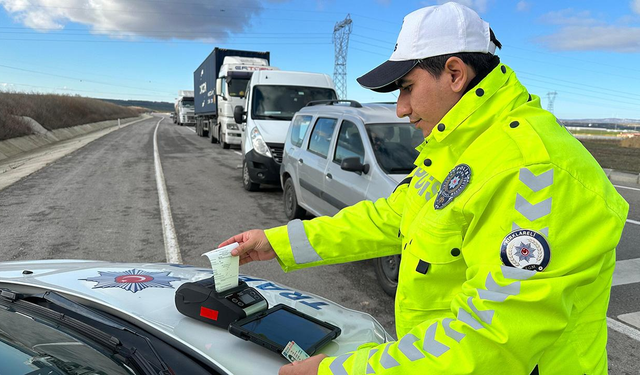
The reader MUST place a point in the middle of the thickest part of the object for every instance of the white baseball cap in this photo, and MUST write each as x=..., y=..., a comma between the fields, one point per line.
x=427, y=32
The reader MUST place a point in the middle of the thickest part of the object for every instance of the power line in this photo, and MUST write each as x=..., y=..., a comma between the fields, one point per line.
x=82, y=79
x=150, y=42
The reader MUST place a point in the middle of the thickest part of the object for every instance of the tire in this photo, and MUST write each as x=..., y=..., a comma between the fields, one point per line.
x=387, y=269
x=246, y=180
x=291, y=207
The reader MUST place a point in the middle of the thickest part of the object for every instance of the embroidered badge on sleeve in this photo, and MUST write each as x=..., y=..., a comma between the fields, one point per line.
x=525, y=249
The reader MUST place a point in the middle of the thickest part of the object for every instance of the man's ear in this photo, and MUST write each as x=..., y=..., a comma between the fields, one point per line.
x=457, y=73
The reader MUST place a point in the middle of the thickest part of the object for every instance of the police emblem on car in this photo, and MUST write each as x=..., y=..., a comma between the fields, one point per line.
x=455, y=182
x=525, y=249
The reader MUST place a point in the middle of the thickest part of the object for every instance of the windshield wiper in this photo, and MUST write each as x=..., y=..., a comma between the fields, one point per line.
x=18, y=301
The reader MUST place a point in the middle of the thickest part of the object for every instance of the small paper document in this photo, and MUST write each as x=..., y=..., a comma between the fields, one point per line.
x=225, y=267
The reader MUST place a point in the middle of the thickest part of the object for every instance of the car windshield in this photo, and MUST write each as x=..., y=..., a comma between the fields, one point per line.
x=28, y=346
x=394, y=146
x=282, y=102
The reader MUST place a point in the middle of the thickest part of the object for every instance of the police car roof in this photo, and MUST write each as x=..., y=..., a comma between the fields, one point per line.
x=369, y=113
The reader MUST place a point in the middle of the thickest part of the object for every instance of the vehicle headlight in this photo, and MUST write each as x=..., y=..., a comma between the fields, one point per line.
x=233, y=126
x=258, y=143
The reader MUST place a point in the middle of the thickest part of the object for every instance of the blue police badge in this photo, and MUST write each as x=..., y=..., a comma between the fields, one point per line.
x=455, y=182
x=525, y=249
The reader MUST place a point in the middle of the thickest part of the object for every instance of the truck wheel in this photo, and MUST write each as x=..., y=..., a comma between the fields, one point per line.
x=246, y=179
x=291, y=207
x=387, y=269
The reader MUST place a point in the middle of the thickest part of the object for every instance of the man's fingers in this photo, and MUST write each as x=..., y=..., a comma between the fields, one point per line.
x=236, y=238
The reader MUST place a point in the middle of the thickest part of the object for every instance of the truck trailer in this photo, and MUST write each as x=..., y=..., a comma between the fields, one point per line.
x=184, y=108
x=220, y=84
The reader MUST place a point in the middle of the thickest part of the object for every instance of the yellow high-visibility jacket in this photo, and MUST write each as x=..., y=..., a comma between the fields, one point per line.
x=507, y=229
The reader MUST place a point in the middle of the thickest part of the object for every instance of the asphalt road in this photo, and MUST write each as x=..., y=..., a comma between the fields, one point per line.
x=101, y=202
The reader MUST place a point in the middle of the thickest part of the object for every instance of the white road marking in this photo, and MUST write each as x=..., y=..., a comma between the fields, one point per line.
x=627, y=272
x=623, y=328
x=633, y=222
x=238, y=152
x=171, y=247
x=626, y=187
x=631, y=318
x=193, y=130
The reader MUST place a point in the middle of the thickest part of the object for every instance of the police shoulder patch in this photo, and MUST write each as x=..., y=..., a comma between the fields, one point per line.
x=525, y=249
x=454, y=184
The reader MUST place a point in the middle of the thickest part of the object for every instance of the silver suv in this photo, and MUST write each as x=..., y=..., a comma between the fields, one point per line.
x=339, y=152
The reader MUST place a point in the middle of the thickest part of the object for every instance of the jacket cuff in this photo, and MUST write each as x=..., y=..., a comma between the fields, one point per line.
x=279, y=240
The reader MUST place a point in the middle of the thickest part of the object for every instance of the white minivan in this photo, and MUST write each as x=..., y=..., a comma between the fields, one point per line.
x=273, y=97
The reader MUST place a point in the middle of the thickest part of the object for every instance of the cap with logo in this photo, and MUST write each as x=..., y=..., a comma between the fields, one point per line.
x=427, y=32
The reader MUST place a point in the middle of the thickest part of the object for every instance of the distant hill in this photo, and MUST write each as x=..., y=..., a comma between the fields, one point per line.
x=153, y=106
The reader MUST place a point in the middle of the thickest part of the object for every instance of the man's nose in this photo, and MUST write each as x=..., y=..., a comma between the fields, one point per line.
x=403, y=109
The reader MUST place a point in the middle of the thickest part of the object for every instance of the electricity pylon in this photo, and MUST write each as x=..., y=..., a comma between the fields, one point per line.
x=552, y=98
x=341, y=32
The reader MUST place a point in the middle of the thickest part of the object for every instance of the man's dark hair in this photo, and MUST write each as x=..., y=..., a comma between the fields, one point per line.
x=479, y=62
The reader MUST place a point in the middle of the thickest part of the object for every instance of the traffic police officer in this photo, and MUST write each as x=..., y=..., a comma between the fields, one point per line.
x=507, y=226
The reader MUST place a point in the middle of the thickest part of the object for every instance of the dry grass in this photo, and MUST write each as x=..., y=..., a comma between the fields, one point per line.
x=611, y=154
x=54, y=112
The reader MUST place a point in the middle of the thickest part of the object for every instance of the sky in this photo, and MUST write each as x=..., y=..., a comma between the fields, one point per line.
x=586, y=52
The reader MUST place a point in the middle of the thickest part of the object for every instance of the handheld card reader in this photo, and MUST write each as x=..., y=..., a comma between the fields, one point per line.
x=200, y=300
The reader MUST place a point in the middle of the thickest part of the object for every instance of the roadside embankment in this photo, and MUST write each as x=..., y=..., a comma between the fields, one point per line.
x=20, y=157
x=15, y=146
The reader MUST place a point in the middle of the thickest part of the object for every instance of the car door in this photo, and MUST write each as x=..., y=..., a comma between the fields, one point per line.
x=293, y=145
x=312, y=164
x=345, y=188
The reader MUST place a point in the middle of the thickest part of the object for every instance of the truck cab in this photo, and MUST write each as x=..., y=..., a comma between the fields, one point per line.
x=231, y=86
x=272, y=98
x=184, y=108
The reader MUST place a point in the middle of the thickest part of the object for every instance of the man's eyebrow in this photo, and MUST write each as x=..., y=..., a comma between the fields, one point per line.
x=400, y=83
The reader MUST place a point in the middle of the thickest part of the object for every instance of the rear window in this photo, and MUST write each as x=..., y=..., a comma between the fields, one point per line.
x=320, y=139
x=299, y=127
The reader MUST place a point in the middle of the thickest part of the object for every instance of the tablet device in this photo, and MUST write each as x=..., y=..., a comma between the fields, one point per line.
x=274, y=328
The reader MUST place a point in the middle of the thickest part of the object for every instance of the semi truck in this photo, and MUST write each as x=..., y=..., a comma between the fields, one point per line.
x=220, y=84
x=184, y=108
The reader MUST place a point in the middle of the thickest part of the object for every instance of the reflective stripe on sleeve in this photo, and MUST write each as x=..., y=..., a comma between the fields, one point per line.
x=302, y=250
x=446, y=323
x=496, y=292
x=369, y=368
x=406, y=347
x=532, y=211
x=386, y=360
x=337, y=366
x=430, y=344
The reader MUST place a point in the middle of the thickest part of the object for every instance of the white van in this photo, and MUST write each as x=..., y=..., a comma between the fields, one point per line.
x=273, y=97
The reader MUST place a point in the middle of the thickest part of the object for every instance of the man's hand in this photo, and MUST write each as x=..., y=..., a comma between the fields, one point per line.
x=253, y=245
x=307, y=367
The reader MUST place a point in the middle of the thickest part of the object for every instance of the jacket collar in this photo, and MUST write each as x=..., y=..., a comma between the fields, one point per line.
x=470, y=117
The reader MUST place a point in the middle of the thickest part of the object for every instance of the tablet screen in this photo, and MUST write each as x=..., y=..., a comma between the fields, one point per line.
x=282, y=326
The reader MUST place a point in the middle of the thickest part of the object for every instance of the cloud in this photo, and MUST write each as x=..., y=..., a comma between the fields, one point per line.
x=523, y=6
x=635, y=6
x=600, y=38
x=580, y=31
x=212, y=20
x=570, y=16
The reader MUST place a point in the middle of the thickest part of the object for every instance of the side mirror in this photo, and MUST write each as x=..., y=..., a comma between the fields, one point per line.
x=239, y=114
x=353, y=165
